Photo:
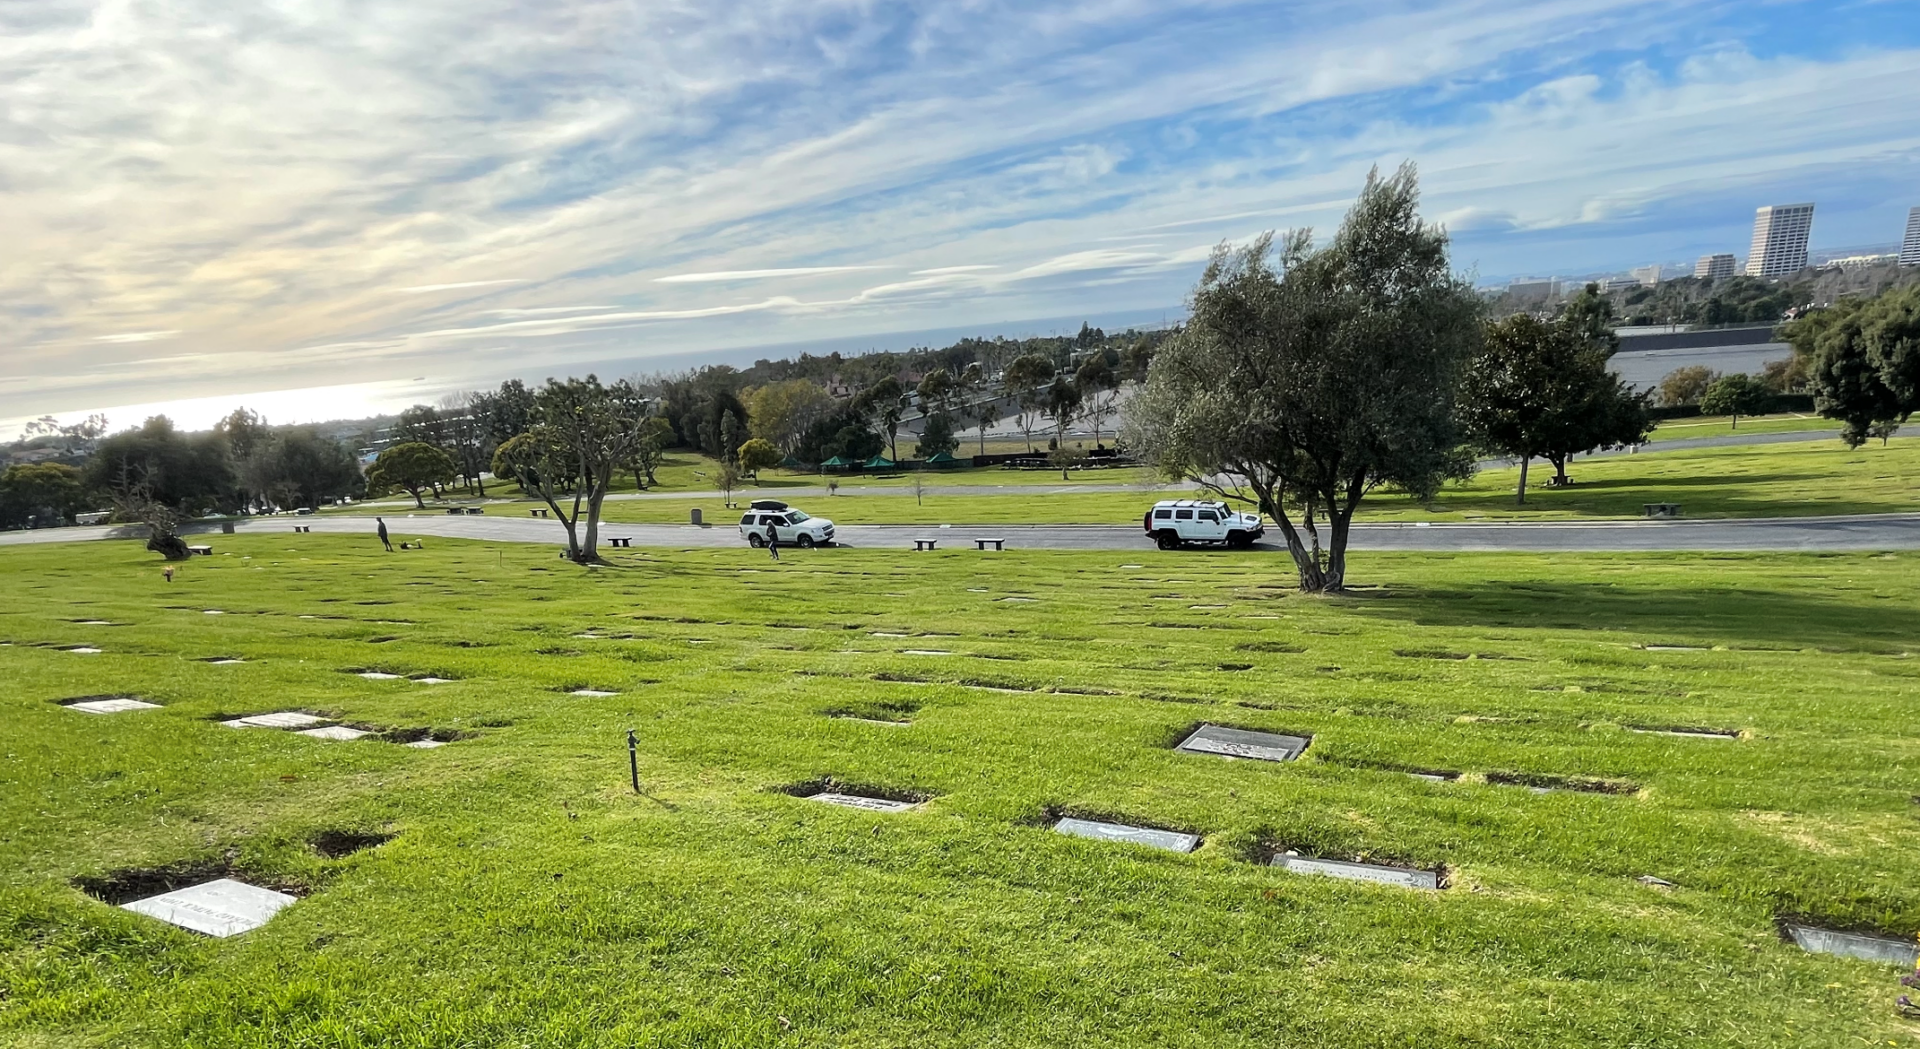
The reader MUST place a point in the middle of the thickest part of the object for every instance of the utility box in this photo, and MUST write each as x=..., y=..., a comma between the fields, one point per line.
x=696, y=516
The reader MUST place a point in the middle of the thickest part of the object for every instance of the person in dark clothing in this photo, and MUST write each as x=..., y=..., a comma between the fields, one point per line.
x=384, y=541
x=773, y=541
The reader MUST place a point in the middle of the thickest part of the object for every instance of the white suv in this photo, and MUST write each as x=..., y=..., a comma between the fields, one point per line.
x=794, y=527
x=1175, y=522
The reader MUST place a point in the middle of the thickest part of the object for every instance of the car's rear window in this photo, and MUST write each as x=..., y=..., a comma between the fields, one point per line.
x=1163, y=515
x=746, y=519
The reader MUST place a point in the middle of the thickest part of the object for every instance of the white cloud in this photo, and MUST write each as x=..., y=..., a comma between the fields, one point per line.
x=739, y=275
x=136, y=336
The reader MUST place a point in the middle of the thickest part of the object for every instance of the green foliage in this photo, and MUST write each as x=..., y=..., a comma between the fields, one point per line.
x=1863, y=362
x=781, y=412
x=299, y=467
x=757, y=455
x=1686, y=385
x=1314, y=386
x=1537, y=388
x=656, y=435
x=45, y=492
x=190, y=473
x=413, y=467
x=1736, y=395
x=938, y=436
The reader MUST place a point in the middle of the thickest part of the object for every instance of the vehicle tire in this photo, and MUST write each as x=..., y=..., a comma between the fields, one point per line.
x=1238, y=541
x=1167, y=541
x=756, y=541
x=805, y=541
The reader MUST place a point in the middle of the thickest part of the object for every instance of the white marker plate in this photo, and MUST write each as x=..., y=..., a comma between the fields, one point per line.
x=1171, y=841
x=281, y=719
x=217, y=908
x=333, y=732
x=112, y=706
x=855, y=801
x=1410, y=879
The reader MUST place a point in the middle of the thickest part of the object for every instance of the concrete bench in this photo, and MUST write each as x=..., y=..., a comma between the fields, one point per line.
x=1661, y=509
x=623, y=542
x=537, y=513
x=981, y=544
x=476, y=510
x=303, y=528
x=455, y=510
x=203, y=551
x=924, y=544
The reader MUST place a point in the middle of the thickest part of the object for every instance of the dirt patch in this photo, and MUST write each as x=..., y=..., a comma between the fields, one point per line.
x=830, y=785
x=900, y=711
x=416, y=735
x=1430, y=653
x=137, y=883
x=1581, y=784
x=336, y=844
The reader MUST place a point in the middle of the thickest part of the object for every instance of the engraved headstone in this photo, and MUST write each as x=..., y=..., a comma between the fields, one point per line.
x=216, y=908
x=1883, y=949
x=333, y=732
x=281, y=719
x=1239, y=743
x=1171, y=841
x=112, y=705
x=855, y=801
x=1372, y=872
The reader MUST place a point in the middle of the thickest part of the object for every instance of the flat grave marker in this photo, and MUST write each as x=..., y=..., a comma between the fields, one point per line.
x=279, y=719
x=425, y=744
x=592, y=692
x=82, y=650
x=224, y=662
x=1867, y=947
x=1686, y=733
x=1168, y=840
x=1372, y=872
x=856, y=801
x=111, y=705
x=1240, y=743
x=217, y=908
x=333, y=732
x=431, y=680
x=376, y=675
x=924, y=652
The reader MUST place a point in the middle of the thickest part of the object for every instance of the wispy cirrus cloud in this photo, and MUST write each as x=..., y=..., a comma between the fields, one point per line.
x=439, y=188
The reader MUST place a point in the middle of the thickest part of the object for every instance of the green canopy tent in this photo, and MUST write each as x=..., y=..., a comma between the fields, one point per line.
x=942, y=461
x=790, y=463
x=880, y=462
x=837, y=463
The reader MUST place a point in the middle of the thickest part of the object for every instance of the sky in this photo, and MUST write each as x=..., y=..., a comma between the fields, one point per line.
x=331, y=209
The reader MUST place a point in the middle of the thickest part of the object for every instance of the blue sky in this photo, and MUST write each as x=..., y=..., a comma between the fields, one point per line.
x=336, y=207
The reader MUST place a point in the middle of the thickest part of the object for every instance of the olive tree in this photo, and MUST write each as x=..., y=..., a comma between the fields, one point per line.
x=581, y=431
x=1302, y=389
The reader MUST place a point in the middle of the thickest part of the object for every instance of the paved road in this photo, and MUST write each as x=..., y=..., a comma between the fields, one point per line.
x=1860, y=532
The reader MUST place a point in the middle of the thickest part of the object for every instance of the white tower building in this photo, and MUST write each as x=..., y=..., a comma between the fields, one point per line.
x=1779, y=240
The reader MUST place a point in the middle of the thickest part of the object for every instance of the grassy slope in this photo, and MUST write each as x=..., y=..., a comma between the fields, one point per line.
x=1764, y=481
x=530, y=899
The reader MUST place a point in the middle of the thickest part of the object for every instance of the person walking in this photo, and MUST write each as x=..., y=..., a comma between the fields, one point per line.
x=384, y=541
x=773, y=541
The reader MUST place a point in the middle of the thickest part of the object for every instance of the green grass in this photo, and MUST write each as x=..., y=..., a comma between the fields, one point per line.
x=1699, y=426
x=529, y=898
x=1788, y=480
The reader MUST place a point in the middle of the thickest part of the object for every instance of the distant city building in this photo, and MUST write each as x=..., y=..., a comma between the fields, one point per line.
x=1910, y=247
x=1714, y=267
x=1779, y=240
x=1534, y=288
x=1649, y=275
x=1854, y=262
x=1619, y=283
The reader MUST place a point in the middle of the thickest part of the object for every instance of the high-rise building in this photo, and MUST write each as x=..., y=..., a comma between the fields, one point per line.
x=1779, y=240
x=1714, y=267
x=1649, y=275
x=1910, y=247
x=1534, y=288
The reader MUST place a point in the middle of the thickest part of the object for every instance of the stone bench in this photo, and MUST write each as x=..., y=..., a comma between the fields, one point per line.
x=624, y=542
x=537, y=513
x=1657, y=510
x=924, y=544
x=303, y=528
x=981, y=544
x=476, y=510
x=203, y=551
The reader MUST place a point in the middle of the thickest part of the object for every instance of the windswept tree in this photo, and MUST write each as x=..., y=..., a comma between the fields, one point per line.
x=883, y=404
x=1301, y=390
x=984, y=409
x=1539, y=389
x=1099, y=387
x=581, y=431
x=1027, y=380
x=415, y=467
x=649, y=451
x=937, y=436
x=1062, y=405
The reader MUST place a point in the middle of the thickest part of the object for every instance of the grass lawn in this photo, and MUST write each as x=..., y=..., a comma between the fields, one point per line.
x=1786, y=480
x=1727, y=426
x=528, y=897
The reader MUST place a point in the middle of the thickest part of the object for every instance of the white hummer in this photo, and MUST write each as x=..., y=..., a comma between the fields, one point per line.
x=1173, y=523
x=793, y=527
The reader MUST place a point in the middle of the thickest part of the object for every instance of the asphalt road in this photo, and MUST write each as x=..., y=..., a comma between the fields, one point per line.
x=1860, y=532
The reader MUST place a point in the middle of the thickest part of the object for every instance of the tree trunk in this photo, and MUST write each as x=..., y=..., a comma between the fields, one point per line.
x=417, y=501
x=1334, y=580
x=1559, y=470
x=1524, y=460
